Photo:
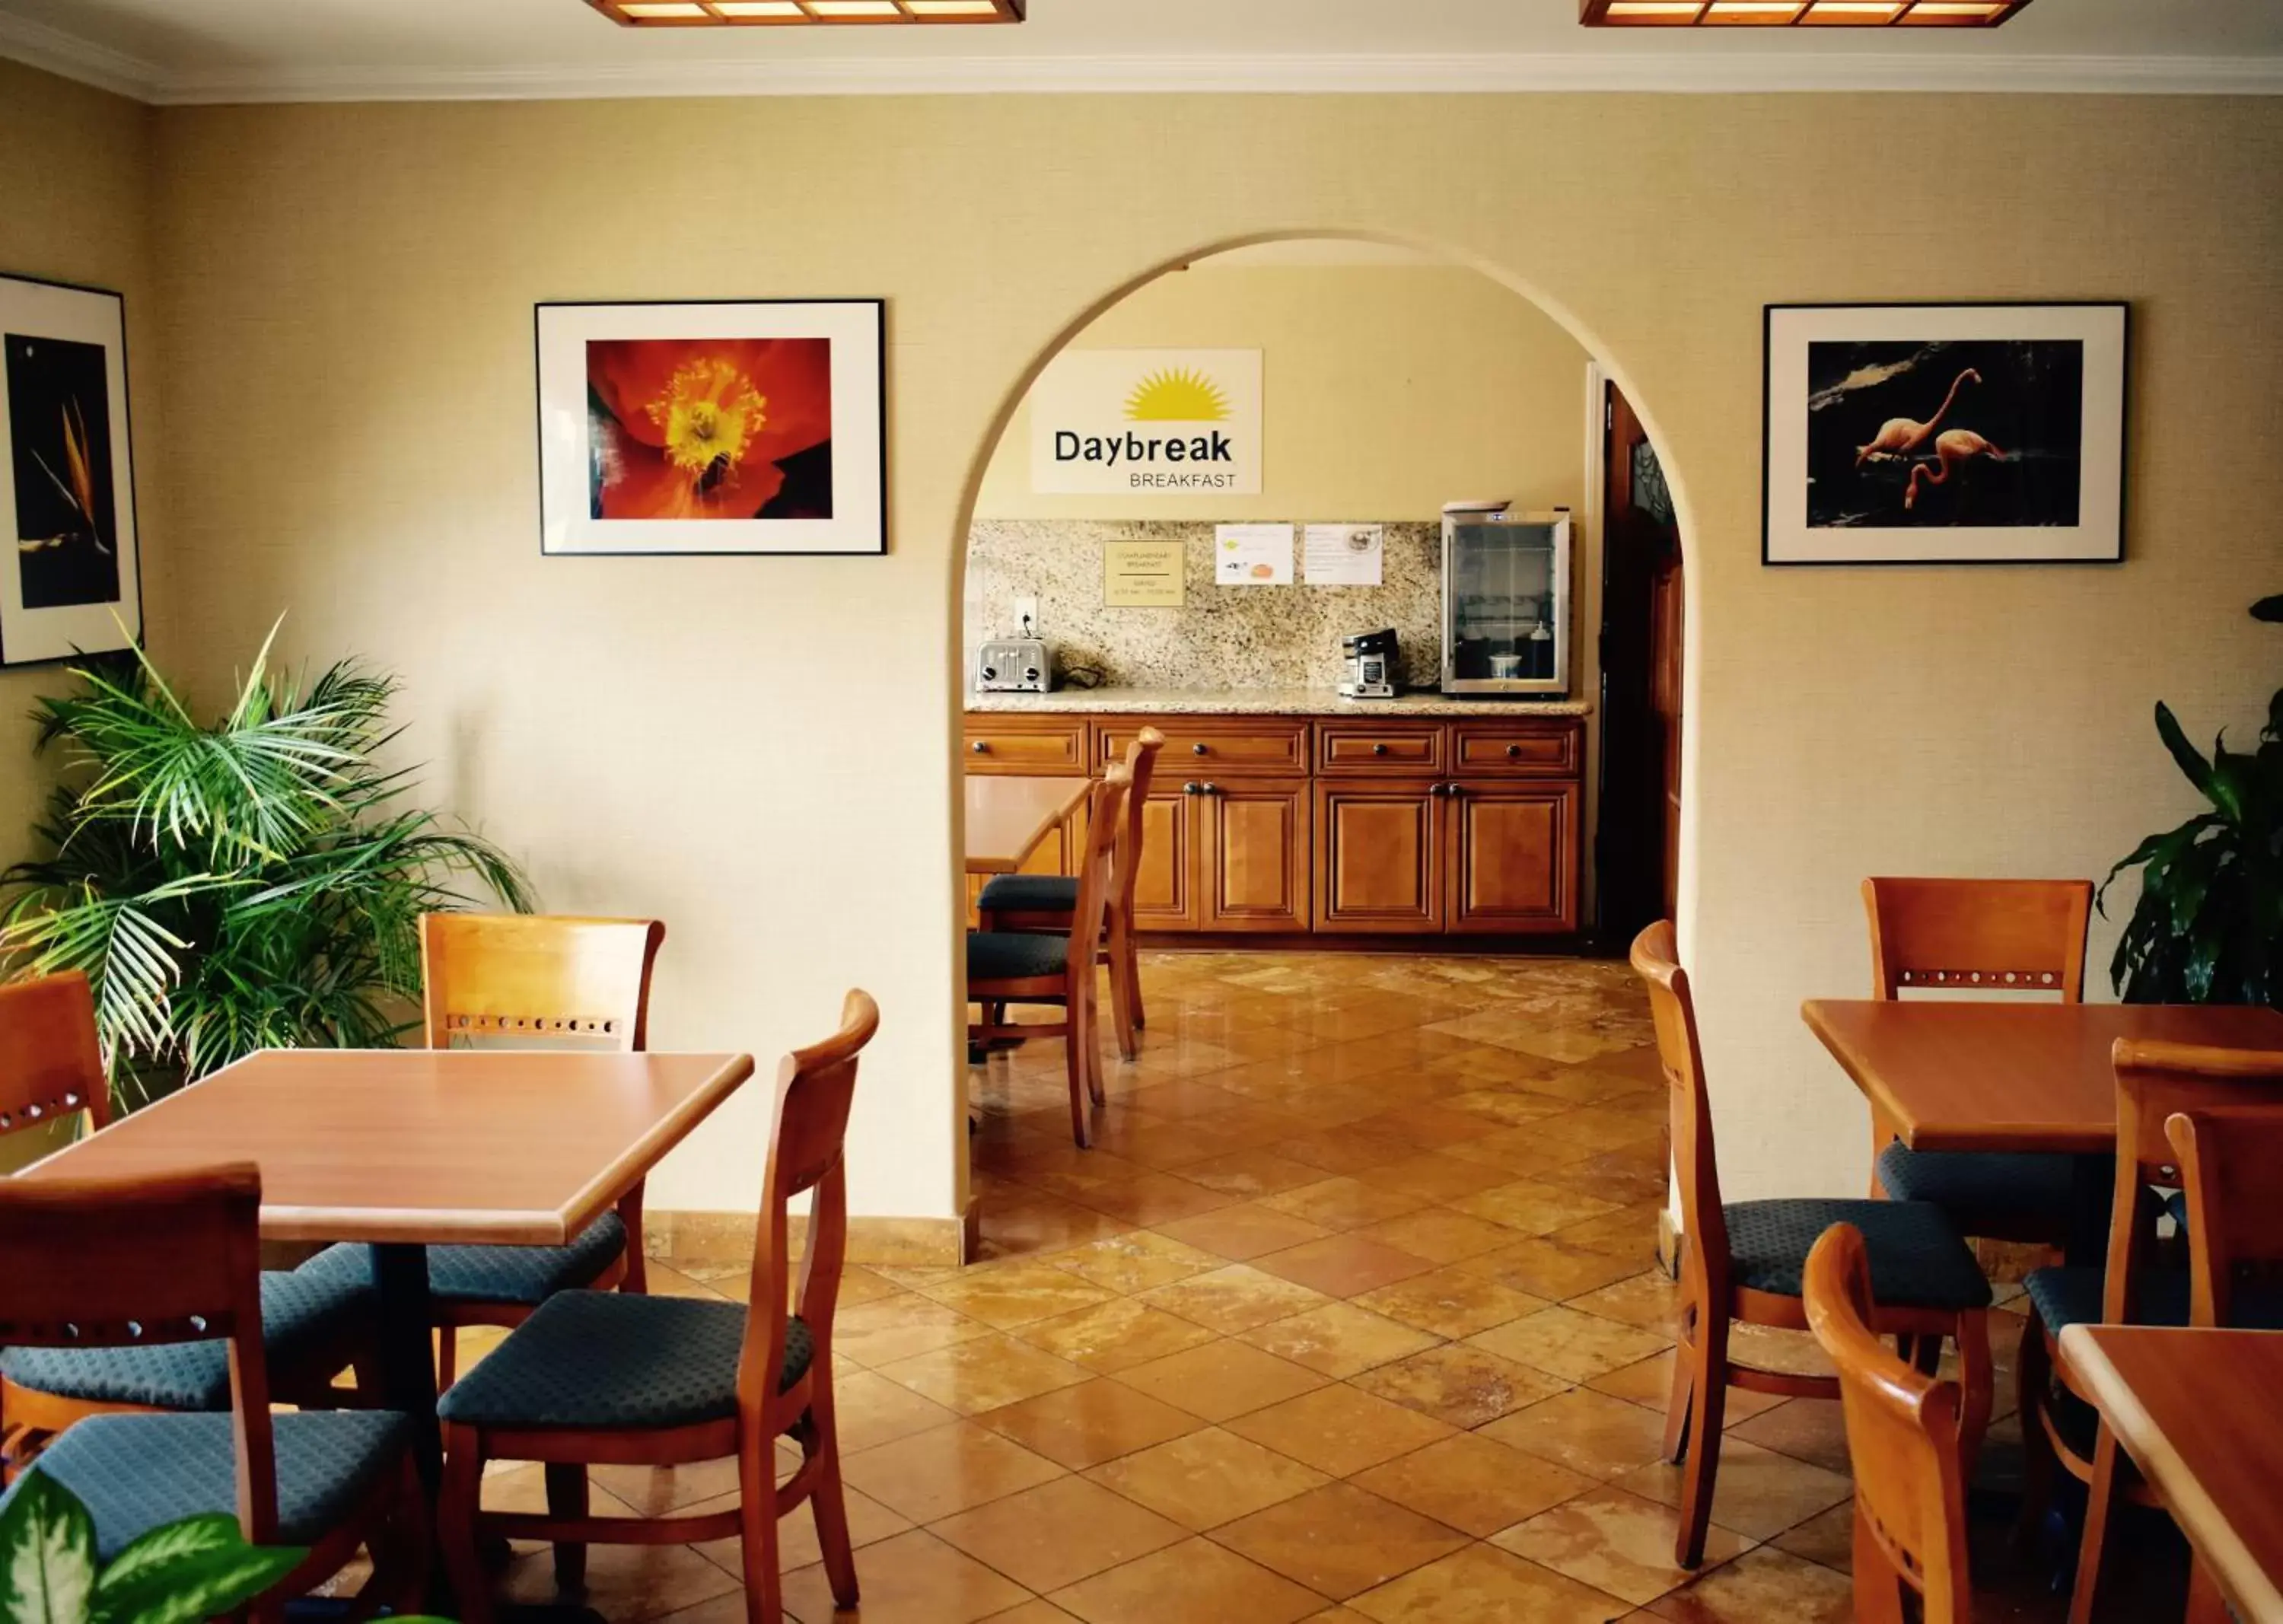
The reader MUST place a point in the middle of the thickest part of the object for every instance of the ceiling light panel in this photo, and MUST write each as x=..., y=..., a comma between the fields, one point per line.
x=1796, y=13
x=797, y=13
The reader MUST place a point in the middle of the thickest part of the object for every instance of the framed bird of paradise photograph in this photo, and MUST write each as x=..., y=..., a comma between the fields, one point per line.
x=1943, y=434
x=712, y=427
x=73, y=584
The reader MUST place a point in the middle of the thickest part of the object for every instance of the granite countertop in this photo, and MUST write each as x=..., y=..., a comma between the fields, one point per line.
x=1267, y=702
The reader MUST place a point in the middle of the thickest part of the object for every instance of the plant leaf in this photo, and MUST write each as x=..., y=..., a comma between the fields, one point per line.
x=47, y=1554
x=2198, y=770
x=187, y=1571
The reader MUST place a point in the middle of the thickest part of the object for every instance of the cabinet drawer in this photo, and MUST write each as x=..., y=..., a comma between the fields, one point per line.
x=1537, y=750
x=1193, y=749
x=1045, y=744
x=1379, y=746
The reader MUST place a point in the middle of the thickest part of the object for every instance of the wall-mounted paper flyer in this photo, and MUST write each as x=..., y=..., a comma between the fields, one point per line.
x=1253, y=555
x=1343, y=555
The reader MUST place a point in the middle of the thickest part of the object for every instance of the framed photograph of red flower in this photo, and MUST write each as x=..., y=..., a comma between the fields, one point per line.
x=744, y=426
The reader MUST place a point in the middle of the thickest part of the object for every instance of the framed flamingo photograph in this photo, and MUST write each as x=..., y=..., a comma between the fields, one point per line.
x=1943, y=434
x=712, y=427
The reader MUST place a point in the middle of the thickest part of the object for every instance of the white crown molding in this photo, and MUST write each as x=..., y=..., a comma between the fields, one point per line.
x=69, y=57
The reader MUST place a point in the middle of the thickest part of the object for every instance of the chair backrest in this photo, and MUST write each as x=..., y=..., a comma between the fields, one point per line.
x=2226, y=1158
x=122, y=1262
x=1992, y=935
x=1104, y=834
x=1902, y=1437
x=815, y=1087
x=1125, y=862
x=1704, y=1251
x=51, y=1061
x=542, y=977
x=2156, y=1081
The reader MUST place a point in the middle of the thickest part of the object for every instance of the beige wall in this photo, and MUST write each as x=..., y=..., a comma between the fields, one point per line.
x=761, y=750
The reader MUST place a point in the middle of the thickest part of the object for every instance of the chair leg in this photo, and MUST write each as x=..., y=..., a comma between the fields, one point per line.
x=1676, y=1409
x=1707, y=1409
x=1094, y=1085
x=1134, y=982
x=2032, y=1390
x=757, y=1530
x=2099, y=1496
x=1077, y=1038
x=1975, y=1381
x=457, y=1508
x=448, y=1356
x=1121, y=991
x=826, y=1501
x=566, y=1497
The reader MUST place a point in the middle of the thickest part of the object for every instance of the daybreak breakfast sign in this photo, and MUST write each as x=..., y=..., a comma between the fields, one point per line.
x=1146, y=422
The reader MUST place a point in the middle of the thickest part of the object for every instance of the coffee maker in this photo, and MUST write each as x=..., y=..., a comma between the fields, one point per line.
x=1370, y=673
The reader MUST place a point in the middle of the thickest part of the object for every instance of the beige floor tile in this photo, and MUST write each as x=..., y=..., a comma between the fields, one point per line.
x=1510, y=1108
x=1343, y=1202
x=1809, y=1430
x=1252, y=1174
x=1038, y=1610
x=1348, y=1149
x=1828, y=1538
x=1650, y=1382
x=1450, y=1302
x=1756, y=1491
x=1615, y=1541
x=643, y=1491
x=1762, y=1586
x=893, y=1328
x=1339, y=1539
x=1005, y=1295
x=983, y=1374
x=1587, y=1432
x=1091, y=1423
x=1528, y=1207
x=1460, y=1384
x=1195, y=1582
x=1116, y=1336
x=912, y=1579
x=1207, y=1477
x=1342, y=1265
x=1601, y=1128
x=1135, y=1262
x=869, y=1523
x=936, y=1473
x=1650, y=1300
x=1433, y=1176
x=1221, y=1380
x=1234, y=1299
x=1573, y=1345
x=1340, y=1429
x=1154, y=1199
x=1338, y=1340
x=1058, y=1532
x=1484, y=1585
x=633, y=1582
x=1440, y=1235
x=1243, y=1231
x=1630, y=1232
x=870, y=1409
x=1473, y=1483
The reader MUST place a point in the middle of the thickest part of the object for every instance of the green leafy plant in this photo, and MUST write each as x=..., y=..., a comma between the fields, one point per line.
x=252, y=884
x=193, y=1569
x=2208, y=926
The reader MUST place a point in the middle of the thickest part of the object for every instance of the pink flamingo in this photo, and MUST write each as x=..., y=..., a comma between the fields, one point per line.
x=1950, y=447
x=1901, y=436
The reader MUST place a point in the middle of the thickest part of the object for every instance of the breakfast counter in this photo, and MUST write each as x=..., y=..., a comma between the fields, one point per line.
x=1112, y=700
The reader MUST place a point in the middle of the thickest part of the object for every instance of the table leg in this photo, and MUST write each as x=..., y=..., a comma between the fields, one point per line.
x=408, y=1352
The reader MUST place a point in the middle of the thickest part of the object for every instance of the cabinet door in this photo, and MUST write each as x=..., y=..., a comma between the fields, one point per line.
x=1253, y=855
x=1379, y=860
x=1165, y=890
x=1513, y=857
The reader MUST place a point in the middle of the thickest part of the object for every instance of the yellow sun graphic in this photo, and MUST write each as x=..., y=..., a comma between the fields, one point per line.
x=1177, y=395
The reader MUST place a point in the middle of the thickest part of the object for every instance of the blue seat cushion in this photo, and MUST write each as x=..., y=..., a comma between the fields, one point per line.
x=1015, y=956
x=1917, y=1257
x=135, y=1473
x=1991, y=1191
x=1029, y=893
x=604, y=1360
x=2071, y=1295
x=525, y=1274
x=304, y=1312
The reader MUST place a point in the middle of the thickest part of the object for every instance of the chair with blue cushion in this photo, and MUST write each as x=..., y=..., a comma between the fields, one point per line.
x=1981, y=936
x=595, y=1379
x=2154, y=1083
x=1746, y=1262
x=317, y=1319
x=173, y=1262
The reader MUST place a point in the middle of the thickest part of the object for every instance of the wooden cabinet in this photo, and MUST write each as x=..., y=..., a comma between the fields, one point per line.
x=1379, y=856
x=1512, y=857
x=1165, y=891
x=1046, y=747
x=1252, y=855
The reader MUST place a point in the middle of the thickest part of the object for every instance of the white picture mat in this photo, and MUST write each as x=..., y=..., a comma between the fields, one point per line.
x=2097, y=536
x=37, y=310
x=1085, y=391
x=857, y=524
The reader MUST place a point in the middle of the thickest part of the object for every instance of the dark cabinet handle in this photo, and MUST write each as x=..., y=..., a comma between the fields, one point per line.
x=1210, y=789
x=1379, y=749
x=1513, y=749
x=1196, y=750
x=1193, y=788
x=979, y=747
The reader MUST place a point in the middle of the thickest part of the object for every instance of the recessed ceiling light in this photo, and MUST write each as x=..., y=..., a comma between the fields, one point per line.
x=780, y=13
x=1789, y=14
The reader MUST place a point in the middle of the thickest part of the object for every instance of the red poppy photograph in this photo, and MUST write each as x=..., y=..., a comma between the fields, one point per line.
x=709, y=428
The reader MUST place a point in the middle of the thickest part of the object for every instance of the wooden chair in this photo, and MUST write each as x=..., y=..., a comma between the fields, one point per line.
x=318, y=1318
x=521, y=980
x=1902, y=1430
x=119, y=1263
x=1046, y=901
x=1007, y=967
x=1745, y=1261
x=1982, y=935
x=2155, y=1082
x=596, y=1377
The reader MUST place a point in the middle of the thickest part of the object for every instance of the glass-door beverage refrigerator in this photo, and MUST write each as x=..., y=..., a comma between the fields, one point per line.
x=1506, y=602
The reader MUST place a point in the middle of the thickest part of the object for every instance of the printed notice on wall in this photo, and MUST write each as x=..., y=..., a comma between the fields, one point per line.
x=1343, y=555
x=1141, y=574
x=1147, y=423
x=1253, y=555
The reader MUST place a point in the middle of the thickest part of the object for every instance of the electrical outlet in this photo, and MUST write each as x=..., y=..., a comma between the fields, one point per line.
x=1026, y=617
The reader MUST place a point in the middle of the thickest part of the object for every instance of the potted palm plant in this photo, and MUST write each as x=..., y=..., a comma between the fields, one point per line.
x=253, y=882
x=2208, y=926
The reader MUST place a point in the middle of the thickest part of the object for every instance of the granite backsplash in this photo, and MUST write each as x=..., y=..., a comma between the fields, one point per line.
x=1221, y=637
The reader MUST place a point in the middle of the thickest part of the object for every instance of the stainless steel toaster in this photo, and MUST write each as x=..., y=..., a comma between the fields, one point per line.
x=1014, y=665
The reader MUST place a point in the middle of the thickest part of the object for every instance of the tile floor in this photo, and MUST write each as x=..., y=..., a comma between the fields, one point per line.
x=1352, y=1313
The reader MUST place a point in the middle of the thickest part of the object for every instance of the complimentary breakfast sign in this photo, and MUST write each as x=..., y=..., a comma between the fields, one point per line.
x=1146, y=422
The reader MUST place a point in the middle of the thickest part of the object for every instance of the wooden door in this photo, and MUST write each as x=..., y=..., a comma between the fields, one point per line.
x=1253, y=855
x=1379, y=856
x=1165, y=890
x=1512, y=855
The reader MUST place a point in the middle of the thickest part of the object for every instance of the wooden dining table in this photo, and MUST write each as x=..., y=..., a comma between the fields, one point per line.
x=1008, y=817
x=2195, y=1410
x=404, y=1149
